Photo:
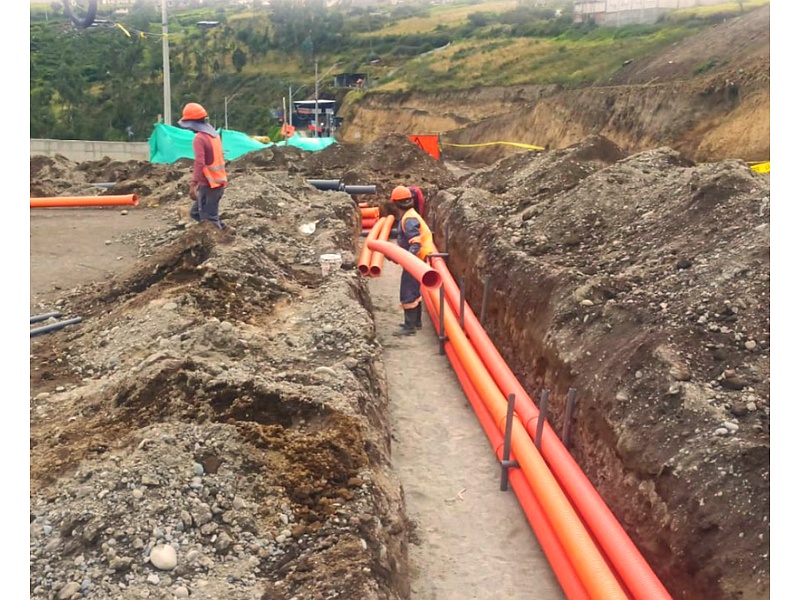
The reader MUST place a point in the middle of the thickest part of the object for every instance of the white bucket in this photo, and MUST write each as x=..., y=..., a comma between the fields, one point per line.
x=330, y=263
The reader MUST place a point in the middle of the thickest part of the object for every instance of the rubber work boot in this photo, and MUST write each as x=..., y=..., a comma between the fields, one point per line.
x=407, y=328
x=418, y=316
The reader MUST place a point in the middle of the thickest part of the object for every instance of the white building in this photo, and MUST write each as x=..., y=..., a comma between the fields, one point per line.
x=615, y=13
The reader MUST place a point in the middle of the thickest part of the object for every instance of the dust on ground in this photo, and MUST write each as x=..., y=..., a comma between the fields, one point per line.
x=221, y=398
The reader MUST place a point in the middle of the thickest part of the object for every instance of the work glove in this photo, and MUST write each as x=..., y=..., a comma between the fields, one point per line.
x=193, y=190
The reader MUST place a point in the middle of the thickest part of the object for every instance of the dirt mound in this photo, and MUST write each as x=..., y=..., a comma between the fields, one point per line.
x=385, y=163
x=224, y=399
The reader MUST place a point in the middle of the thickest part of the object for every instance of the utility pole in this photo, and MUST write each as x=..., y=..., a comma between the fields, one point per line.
x=316, y=100
x=165, y=55
x=226, y=107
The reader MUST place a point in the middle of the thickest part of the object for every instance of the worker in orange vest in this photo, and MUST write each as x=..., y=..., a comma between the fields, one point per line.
x=414, y=235
x=209, y=178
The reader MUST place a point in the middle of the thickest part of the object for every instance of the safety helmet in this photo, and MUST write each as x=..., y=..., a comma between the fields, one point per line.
x=401, y=193
x=193, y=112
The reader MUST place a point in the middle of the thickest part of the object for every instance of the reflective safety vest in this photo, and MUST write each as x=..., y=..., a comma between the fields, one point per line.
x=215, y=172
x=425, y=237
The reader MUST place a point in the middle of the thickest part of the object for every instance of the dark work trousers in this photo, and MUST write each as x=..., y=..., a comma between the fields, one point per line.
x=409, y=290
x=206, y=207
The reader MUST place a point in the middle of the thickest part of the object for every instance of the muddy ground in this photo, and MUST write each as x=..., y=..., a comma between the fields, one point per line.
x=221, y=398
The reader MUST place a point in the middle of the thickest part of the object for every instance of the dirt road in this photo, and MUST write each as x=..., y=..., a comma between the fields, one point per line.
x=473, y=539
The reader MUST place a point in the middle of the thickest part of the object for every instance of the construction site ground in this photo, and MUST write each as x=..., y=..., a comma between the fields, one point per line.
x=225, y=422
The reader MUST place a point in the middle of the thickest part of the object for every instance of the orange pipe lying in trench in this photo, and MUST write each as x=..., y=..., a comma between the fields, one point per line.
x=76, y=201
x=376, y=262
x=365, y=256
x=371, y=212
x=593, y=571
x=368, y=223
x=554, y=551
x=623, y=554
x=419, y=269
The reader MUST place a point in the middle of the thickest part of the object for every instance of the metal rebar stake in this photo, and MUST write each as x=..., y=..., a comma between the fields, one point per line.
x=568, y=416
x=506, y=463
x=542, y=419
x=442, y=308
x=461, y=302
x=485, y=298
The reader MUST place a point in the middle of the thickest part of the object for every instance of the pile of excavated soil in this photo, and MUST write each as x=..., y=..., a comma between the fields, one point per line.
x=218, y=425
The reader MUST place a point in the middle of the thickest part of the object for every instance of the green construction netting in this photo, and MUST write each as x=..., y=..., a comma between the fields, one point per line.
x=169, y=144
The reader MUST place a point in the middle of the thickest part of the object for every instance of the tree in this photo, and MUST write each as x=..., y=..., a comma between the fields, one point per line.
x=239, y=59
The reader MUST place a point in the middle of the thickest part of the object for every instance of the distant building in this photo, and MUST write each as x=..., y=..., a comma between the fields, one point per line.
x=615, y=13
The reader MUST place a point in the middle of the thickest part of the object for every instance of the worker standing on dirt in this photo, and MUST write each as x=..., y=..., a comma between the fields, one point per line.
x=414, y=235
x=209, y=177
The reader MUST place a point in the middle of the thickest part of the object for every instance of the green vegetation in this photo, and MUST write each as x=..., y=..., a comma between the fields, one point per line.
x=106, y=82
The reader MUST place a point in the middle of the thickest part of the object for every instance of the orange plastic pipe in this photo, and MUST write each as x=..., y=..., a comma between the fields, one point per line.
x=370, y=212
x=367, y=223
x=365, y=256
x=74, y=201
x=623, y=554
x=376, y=262
x=589, y=563
x=554, y=551
x=419, y=269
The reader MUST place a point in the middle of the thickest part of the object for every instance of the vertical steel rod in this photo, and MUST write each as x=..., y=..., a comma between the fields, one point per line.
x=442, y=308
x=568, y=416
x=507, y=444
x=542, y=419
x=461, y=301
x=485, y=299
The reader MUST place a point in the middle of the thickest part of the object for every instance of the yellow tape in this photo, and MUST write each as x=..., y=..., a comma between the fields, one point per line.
x=527, y=146
x=761, y=167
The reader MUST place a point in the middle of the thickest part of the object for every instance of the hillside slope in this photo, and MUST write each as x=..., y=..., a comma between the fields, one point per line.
x=707, y=97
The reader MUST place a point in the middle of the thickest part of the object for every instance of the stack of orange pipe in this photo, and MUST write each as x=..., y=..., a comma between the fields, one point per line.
x=369, y=216
x=626, y=559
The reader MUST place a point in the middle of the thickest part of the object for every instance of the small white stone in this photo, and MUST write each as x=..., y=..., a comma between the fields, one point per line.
x=164, y=557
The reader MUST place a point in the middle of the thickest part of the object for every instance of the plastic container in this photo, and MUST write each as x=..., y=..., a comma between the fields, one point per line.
x=330, y=263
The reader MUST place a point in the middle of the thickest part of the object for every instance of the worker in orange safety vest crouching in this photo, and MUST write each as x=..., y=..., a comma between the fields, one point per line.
x=413, y=235
x=209, y=177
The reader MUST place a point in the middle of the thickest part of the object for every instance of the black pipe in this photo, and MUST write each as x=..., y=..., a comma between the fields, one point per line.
x=45, y=316
x=54, y=326
x=360, y=189
x=326, y=184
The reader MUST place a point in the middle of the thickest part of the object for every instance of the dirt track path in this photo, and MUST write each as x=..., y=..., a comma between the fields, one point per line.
x=474, y=540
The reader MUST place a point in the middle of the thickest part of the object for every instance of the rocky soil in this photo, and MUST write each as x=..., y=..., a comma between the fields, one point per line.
x=217, y=425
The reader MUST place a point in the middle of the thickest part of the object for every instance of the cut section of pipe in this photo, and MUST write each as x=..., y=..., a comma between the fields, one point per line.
x=77, y=201
x=366, y=254
x=376, y=263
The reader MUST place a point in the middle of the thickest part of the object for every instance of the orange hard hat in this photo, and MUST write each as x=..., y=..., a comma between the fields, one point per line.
x=193, y=112
x=401, y=193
